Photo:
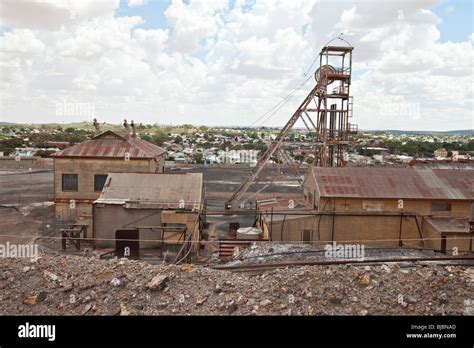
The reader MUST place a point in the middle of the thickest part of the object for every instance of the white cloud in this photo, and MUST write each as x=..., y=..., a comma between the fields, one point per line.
x=406, y=65
x=153, y=42
x=50, y=14
x=97, y=37
x=218, y=64
x=21, y=41
x=136, y=3
x=193, y=23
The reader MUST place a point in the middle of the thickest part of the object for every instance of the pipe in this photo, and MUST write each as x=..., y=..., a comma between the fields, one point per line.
x=343, y=262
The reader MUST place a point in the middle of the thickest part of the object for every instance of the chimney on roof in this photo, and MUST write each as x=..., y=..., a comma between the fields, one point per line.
x=127, y=127
x=97, y=126
x=134, y=130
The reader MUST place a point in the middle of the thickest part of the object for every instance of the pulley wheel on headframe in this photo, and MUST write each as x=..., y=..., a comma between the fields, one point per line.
x=323, y=72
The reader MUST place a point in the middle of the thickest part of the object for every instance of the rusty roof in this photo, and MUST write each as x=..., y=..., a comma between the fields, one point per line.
x=153, y=190
x=449, y=225
x=283, y=203
x=113, y=144
x=407, y=183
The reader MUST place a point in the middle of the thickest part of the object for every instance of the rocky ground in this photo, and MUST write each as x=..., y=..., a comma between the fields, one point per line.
x=75, y=285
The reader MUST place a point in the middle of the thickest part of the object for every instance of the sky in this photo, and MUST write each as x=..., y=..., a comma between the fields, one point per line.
x=228, y=62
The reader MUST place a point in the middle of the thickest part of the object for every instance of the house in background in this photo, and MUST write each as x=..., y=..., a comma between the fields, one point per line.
x=24, y=152
x=456, y=157
x=441, y=153
x=80, y=171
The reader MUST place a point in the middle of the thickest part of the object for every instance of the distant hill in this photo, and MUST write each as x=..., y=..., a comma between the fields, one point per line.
x=454, y=132
x=86, y=124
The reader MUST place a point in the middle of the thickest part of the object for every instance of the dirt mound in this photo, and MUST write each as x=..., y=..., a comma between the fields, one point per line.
x=72, y=285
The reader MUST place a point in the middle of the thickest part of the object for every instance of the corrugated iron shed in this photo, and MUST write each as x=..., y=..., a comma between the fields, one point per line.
x=113, y=144
x=394, y=183
x=153, y=190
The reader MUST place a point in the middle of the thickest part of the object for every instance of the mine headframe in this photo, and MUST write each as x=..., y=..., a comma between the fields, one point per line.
x=325, y=112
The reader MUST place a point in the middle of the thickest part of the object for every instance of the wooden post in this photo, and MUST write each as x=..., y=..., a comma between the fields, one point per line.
x=63, y=239
x=443, y=244
x=271, y=225
x=400, y=243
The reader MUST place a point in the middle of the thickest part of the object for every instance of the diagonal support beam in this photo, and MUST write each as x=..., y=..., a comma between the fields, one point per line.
x=236, y=197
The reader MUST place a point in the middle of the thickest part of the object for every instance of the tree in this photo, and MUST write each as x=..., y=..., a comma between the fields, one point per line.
x=146, y=137
x=225, y=145
x=75, y=139
x=203, y=129
x=9, y=145
x=261, y=147
x=43, y=153
x=159, y=138
x=197, y=158
x=470, y=146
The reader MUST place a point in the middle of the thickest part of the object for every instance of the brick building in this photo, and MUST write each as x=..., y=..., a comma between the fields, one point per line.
x=377, y=206
x=80, y=171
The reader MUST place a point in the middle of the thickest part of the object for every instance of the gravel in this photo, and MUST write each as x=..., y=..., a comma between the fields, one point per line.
x=75, y=285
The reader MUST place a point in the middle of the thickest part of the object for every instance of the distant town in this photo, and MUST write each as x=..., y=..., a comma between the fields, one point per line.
x=219, y=145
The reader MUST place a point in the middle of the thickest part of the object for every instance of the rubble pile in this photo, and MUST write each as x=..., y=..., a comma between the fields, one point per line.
x=75, y=285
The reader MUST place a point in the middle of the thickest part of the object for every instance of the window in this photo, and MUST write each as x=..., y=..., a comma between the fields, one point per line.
x=372, y=205
x=69, y=182
x=440, y=207
x=306, y=235
x=99, y=182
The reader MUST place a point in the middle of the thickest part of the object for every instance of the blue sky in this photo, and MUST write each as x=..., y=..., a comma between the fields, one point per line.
x=456, y=17
x=457, y=20
x=456, y=25
x=152, y=13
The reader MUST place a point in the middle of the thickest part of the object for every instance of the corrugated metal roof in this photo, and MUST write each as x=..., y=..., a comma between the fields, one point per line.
x=283, y=203
x=449, y=225
x=153, y=190
x=113, y=144
x=408, y=183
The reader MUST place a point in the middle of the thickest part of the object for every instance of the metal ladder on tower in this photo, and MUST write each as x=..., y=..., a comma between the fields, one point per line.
x=350, y=106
